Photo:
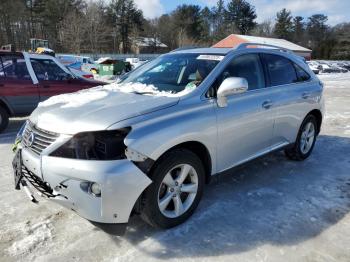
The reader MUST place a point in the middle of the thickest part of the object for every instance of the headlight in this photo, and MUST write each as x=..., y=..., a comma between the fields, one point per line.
x=101, y=145
x=21, y=130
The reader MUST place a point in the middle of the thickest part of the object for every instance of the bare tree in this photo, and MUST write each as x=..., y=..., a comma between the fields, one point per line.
x=264, y=29
x=97, y=30
x=71, y=33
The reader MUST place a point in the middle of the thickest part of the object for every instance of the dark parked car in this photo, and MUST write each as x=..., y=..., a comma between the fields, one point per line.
x=27, y=79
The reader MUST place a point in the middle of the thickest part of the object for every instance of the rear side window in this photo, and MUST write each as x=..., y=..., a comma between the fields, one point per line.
x=301, y=73
x=248, y=67
x=13, y=67
x=281, y=70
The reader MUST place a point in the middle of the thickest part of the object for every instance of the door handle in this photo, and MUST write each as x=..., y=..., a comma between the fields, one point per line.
x=1, y=84
x=267, y=104
x=305, y=95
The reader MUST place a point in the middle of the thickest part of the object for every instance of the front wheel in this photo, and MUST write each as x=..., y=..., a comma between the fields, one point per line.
x=178, y=181
x=305, y=141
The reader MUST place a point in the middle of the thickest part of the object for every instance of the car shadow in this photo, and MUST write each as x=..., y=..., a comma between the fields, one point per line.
x=271, y=200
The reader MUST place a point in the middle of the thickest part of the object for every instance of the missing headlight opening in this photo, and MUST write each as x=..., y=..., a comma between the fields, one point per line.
x=102, y=145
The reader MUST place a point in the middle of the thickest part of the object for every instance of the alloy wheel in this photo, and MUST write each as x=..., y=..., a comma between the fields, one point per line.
x=307, y=137
x=178, y=190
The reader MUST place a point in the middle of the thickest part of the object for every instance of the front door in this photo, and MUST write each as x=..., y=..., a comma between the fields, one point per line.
x=53, y=80
x=245, y=125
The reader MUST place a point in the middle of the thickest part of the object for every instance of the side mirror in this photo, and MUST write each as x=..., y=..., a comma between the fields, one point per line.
x=231, y=86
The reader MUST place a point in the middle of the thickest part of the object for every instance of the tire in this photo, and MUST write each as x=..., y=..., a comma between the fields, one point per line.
x=298, y=152
x=167, y=172
x=4, y=119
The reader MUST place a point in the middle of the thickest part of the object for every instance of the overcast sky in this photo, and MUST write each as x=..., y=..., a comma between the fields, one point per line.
x=337, y=10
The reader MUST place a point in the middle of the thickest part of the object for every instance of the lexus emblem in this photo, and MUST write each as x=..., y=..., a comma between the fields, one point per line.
x=31, y=139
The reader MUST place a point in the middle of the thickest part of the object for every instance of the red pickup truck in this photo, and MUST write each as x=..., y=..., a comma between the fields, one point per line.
x=27, y=79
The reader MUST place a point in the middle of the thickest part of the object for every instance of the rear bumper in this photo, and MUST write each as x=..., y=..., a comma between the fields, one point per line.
x=121, y=184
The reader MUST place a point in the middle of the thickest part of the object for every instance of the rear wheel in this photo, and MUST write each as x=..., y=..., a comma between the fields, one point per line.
x=178, y=181
x=4, y=119
x=305, y=141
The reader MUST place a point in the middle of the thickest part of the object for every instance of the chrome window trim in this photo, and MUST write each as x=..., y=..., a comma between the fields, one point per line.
x=234, y=54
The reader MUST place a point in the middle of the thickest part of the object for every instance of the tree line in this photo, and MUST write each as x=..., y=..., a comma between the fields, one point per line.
x=85, y=26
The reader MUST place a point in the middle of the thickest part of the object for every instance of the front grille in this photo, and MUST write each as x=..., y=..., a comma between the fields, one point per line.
x=37, y=139
x=37, y=183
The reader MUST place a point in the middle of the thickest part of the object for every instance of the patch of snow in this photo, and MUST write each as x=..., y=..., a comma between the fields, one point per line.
x=103, y=59
x=145, y=89
x=75, y=99
x=89, y=95
x=33, y=237
x=264, y=191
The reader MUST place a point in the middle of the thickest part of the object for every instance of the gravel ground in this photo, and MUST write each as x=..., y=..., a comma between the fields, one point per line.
x=270, y=209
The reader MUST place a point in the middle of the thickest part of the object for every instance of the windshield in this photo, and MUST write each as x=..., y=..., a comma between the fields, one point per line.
x=174, y=73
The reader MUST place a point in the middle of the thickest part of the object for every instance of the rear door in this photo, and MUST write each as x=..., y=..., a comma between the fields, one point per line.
x=16, y=84
x=55, y=79
x=293, y=93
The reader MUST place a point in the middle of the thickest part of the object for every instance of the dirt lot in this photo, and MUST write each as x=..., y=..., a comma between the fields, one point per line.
x=271, y=209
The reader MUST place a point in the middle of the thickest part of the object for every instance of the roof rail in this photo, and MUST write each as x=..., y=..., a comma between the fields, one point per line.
x=245, y=45
x=184, y=48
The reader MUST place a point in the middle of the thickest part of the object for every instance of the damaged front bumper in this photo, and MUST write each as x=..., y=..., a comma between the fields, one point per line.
x=121, y=183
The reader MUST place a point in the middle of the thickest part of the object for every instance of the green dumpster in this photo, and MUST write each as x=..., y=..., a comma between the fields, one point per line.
x=112, y=68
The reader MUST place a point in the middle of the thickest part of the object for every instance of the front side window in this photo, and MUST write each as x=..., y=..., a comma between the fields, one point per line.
x=13, y=67
x=174, y=73
x=245, y=66
x=48, y=70
x=280, y=69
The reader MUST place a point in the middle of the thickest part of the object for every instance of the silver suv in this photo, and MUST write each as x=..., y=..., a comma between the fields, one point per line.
x=147, y=144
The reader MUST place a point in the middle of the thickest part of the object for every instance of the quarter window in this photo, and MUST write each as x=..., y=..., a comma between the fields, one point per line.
x=280, y=69
x=302, y=75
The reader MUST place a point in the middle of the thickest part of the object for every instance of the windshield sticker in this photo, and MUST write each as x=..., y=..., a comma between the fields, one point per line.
x=211, y=57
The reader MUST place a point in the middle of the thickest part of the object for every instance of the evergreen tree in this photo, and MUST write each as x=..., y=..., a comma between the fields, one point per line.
x=284, y=24
x=241, y=15
x=317, y=27
x=188, y=24
x=206, y=20
x=126, y=17
x=320, y=39
x=341, y=49
x=219, y=24
x=298, y=30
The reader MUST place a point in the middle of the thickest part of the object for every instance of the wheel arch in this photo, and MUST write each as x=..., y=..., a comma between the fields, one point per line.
x=318, y=115
x=198, y=149
x=4, y=105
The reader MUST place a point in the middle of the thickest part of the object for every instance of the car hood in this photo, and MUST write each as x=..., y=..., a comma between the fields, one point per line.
x=94, y=109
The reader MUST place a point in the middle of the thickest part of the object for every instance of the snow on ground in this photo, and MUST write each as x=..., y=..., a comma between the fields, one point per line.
x=270, y=209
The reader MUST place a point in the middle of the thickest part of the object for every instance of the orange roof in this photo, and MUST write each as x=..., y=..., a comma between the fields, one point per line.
x=230, y=41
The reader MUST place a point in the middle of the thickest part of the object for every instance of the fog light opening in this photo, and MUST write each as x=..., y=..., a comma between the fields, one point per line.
x=95, y=189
